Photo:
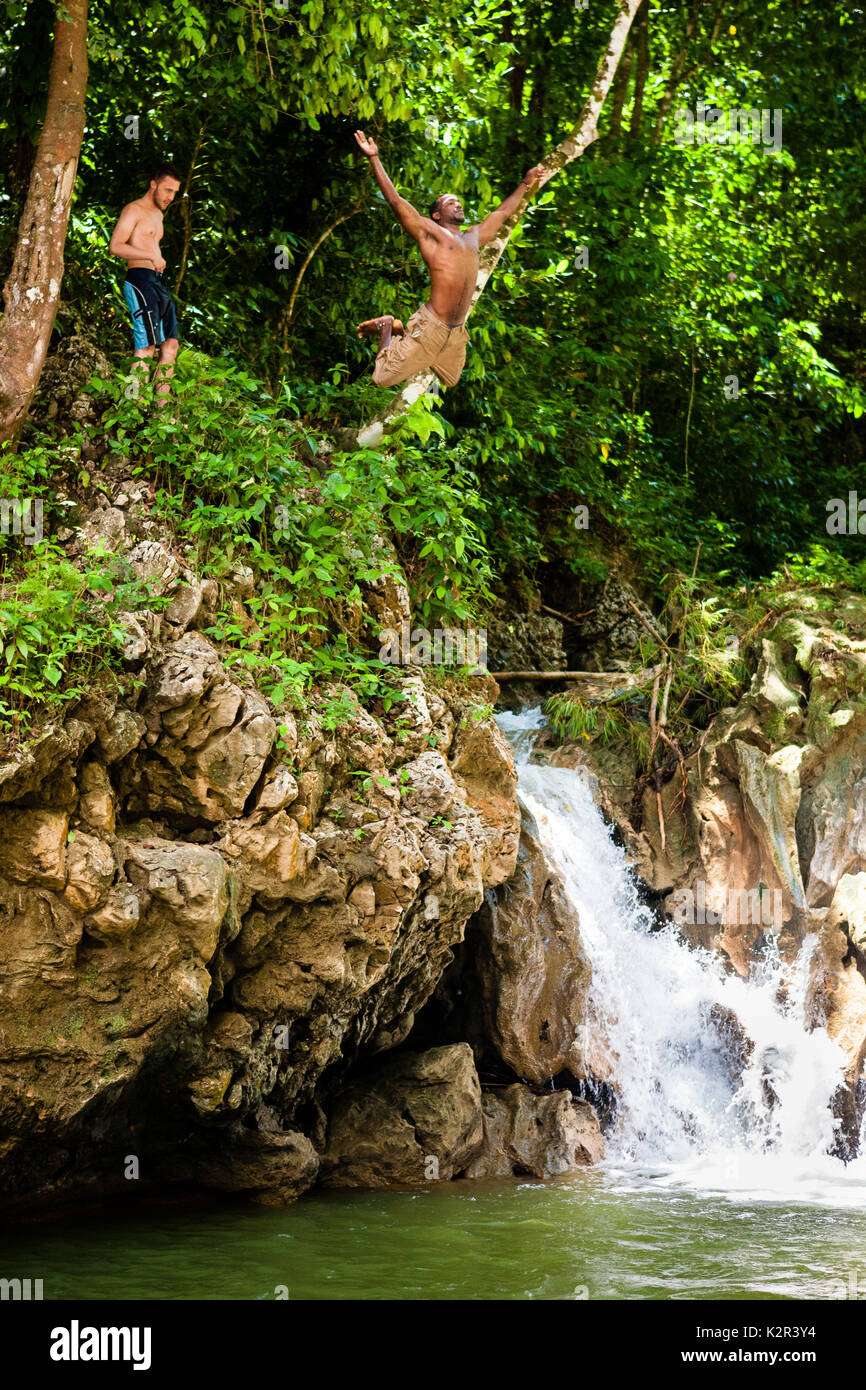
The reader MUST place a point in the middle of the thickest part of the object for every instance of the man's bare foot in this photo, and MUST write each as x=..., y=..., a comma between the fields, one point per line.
x=376, y=326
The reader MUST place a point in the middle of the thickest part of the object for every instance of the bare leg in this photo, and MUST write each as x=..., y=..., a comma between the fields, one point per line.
x=140, y=370
x=140, y=374
x=164, y=371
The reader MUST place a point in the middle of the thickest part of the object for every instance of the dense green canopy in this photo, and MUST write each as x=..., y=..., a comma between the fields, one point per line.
x=675, y=336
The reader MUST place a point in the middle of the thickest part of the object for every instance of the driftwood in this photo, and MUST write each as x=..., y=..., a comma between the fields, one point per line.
x=566, y=618
x=628, y=680
x=555, y=675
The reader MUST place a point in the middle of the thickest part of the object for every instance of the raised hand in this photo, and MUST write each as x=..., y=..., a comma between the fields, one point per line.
x=367, y=147
x=532, y=178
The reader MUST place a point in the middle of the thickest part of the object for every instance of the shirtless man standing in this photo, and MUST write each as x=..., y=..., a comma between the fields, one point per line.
x=136, y=240
x=434, y=337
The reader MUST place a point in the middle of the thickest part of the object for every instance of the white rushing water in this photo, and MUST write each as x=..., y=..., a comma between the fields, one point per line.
x=698, y=1108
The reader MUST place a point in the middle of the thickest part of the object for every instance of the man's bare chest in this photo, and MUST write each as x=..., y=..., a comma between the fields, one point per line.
x=149, y=228
x=455, y=254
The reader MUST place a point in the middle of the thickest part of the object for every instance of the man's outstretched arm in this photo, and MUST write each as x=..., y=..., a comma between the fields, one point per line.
x=488, y=229
x=409, y=217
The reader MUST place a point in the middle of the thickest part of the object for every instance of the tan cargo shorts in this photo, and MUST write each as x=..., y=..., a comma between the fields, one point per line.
x=427, y=342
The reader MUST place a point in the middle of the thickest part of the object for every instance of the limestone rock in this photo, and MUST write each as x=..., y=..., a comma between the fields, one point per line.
x=210, y=739
x=118, y=916
x=278, y=790
x=102, y=531
x=770, y=787
x=33, y=846
x=90, y=869
x=533, y=971
x=483, y=766
x=120, y=733
x=537, y=1135
x=848, y=908
x=418, y=1106
x=153, y=565
x=96, y=802
x=427, y=785
x=271, y=855
x=183, y=890
x=271, y=1169
x=28, y=769
x=186, y=605
x=524, y=642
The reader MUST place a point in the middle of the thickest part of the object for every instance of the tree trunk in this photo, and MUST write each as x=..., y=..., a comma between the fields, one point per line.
x=32, y=291
x=642, y=70
x=574, y=144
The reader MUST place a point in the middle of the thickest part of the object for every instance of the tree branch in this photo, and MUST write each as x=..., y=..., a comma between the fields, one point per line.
x=289, y=315
x=184, y=207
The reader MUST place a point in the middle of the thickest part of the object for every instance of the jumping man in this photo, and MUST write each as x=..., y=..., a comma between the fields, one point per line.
x=136, y=240
x=435, y=337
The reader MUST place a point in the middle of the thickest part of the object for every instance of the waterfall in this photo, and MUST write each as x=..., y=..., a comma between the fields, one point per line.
x=720, y=1084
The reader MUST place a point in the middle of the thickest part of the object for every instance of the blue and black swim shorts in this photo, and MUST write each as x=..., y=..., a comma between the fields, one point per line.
x=151, y=306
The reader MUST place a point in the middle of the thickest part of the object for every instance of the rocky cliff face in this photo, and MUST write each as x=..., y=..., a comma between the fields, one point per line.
x=214, y=918
x=248, y=952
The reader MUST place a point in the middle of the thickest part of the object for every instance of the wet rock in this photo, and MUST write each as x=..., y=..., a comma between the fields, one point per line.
x=418, y=1115
x=270, y=1169
x=848, y=908
x=539, y=1135
x=533, y=970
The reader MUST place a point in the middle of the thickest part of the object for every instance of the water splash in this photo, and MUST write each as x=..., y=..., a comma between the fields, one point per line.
x=721, y=1084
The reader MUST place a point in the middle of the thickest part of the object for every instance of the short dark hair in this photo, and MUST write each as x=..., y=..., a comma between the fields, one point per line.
x=165, y=171
x=434, y=206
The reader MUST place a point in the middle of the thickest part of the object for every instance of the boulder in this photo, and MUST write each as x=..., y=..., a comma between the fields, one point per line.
x=270, y=1169
x=415, y=1120
x=538, y=1135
